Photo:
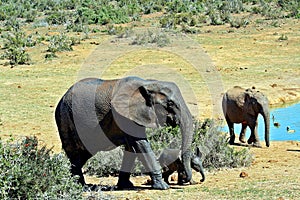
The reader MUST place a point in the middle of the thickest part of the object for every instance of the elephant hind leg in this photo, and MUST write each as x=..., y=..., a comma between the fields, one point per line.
x=77, y=162
x=126, y=168
x=76, y=152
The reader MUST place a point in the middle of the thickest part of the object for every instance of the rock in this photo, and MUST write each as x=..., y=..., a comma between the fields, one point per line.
x=243, y=175
x=272, y=161
x=274, y=85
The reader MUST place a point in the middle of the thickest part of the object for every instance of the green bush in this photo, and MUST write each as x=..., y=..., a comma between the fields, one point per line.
x=150, y=37
x=101, y=13
x=239, y=22
x=30, y=171
x=120, y=31
x=15, y=44
x=123, y=11
x=105, y=163
x=59, y=43
x=216, y=153
x=59, y=17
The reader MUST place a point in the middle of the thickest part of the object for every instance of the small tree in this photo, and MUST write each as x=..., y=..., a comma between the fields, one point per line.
x=15, y=44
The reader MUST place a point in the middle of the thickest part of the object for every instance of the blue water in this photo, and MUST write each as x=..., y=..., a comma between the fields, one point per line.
x=286, y=117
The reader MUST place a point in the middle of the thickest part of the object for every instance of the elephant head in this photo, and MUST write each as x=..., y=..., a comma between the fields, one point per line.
x=152, y=103
x=257, y=103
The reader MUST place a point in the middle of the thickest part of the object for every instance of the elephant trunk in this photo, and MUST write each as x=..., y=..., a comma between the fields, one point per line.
x=202, y=174
x=199, y=168
x=186, y=128
x=266, y=116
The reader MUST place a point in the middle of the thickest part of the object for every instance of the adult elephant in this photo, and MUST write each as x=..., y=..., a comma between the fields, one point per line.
x=243, y=106
x=99, y=115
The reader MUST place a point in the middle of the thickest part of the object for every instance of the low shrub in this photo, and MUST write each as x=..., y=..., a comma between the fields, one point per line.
x=105, y=163
x=120, y=31
x=158, y=38
x=239, y=22
x=30, y=171
x=216, y=152
x=61, y=42
x=15, y=44
x=213, y=144
x=58, y=17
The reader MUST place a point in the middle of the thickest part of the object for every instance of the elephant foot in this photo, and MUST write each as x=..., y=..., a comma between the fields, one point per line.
x=124, y=182
x=231, y=141
x=251, y=140
x=161, y=185
x=125, y=185
x=242, y=139
x=157, y=181
x=257, y=144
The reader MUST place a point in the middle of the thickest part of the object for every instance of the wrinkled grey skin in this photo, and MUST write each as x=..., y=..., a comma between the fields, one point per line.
x=243, y=106
x=99, y=115
x=170, y=161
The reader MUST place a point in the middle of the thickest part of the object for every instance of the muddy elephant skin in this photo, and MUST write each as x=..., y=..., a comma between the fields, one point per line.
x=243, y=106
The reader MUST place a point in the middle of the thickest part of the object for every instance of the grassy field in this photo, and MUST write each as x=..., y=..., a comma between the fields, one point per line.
x=263, y=54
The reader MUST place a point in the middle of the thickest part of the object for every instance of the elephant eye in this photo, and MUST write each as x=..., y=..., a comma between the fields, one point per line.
x=170, y=103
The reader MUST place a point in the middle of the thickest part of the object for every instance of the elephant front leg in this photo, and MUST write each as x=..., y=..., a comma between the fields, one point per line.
x=254, y=139
x=148, y=158
x=166, y=175
x=126, y=168
x=243, y=132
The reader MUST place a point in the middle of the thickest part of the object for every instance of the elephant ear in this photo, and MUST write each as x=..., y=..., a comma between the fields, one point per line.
x=240, y=100
x=250, y=102
x=131, y=99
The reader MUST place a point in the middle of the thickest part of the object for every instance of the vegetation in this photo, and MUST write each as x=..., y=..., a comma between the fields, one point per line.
x=29, y=171
x=159, y=38
x=15, y=44
x=216, y=153
x=213, y=144
x=77, y=15
x=59, y=43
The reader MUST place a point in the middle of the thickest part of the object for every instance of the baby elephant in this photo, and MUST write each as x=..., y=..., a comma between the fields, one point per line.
x=170, y=162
